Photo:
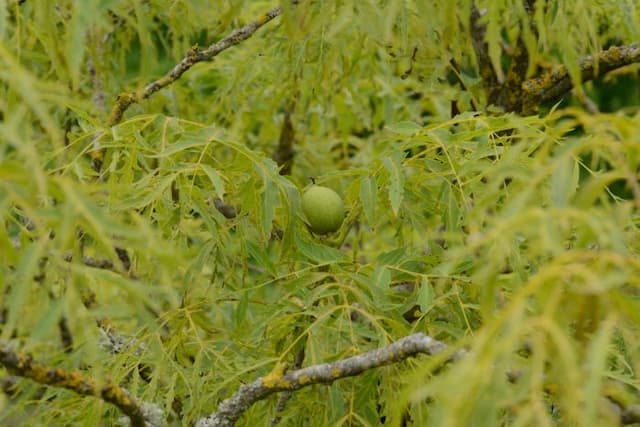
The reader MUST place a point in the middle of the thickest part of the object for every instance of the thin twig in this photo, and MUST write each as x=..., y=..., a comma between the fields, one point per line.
x=194, y=56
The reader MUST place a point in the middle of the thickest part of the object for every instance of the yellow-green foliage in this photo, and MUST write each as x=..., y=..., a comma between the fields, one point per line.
x=518, y=236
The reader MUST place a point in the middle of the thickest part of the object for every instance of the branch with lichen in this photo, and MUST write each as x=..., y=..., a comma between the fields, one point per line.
x=554, y=83
x=23, y=365
x=230, y=410
x=504, y=91
x=195, y=55
x=481, y=49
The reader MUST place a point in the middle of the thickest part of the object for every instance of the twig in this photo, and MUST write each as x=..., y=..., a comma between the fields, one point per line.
x=586, y=102
x=194, y=56
x=230, y=410
x=21, y=364
x=553, y=84
x=454, y=106
x=284, y=153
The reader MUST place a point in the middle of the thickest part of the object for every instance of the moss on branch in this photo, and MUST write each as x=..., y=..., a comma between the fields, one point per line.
x=230, y=410
x=553, y=84
x=23, y=365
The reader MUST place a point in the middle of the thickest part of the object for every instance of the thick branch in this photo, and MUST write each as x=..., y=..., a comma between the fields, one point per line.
x=23, y=365
x=230, y=410
x=194, y=56
x=553, y=84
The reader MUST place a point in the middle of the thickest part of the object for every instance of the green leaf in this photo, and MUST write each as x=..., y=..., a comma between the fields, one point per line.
x=564, y=181
x=269, y=201
x=596, y=369
x=178, y=147
x=394, y=257
x=425, y=295
x=48, y=322
x=260, y=256
x=319, y=253
x=368, y=197
x=393, y=165
x=22, y=286
x=201, y=260
x=381, y=277
x=215, y=178
x=3, y=19
x=82, y=19
x=241, y=308
x=406, y=128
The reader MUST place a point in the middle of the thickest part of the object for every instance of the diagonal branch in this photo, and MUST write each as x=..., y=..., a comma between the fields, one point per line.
x=21, y=364
x=230, y=410
x=195, y=55
x=553, y=84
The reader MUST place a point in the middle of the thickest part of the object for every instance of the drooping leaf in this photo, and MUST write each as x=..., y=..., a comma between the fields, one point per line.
x=393, y=165
x=368, y=197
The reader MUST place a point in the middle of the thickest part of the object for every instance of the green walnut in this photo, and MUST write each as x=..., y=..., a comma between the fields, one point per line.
x=323, y=209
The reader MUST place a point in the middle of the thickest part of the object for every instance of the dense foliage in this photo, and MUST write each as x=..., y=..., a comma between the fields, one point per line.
x=167, y=253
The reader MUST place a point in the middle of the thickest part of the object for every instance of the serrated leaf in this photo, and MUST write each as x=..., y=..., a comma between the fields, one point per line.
x=155, y=186
x=596, y=366
x=319, y=253
x=425, y=295
x=177, y=147
x=48, y=320
x=368, y=197
x=216, y=180
x=201, y=260
x=269, y=200
x=137, y=290
x=396, y=182
x=406, y=128
x=595, y=187
x=564, y=182
x=381, y=277
x=393, y=257
x=259, y=255
x=76, y=36
x=241, y=309
x=19, y=292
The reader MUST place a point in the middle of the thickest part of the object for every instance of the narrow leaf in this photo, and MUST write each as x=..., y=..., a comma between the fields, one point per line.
x=396, y=182
x=368, y=197
x=215, y=178
x=404, y=128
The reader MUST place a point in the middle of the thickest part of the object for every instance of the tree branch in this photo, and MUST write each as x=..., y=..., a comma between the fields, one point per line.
x=553, y=84
x=284, y=153
x=21, y=364
x=481, y=49
x=508, y=95
x=230, y=410
x=195, y=55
